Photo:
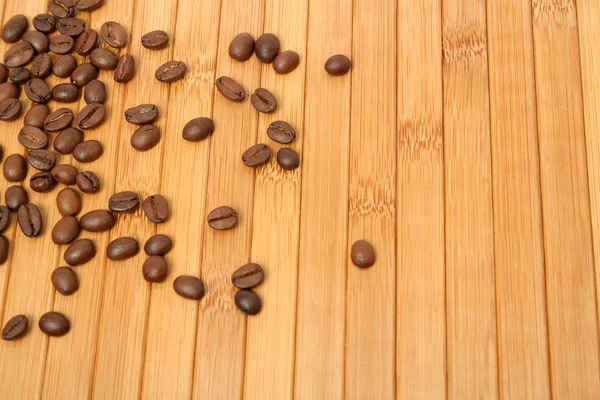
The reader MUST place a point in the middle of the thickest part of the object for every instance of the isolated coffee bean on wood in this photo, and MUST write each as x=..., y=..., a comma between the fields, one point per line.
x=171, y=71
x=156, y=208
x=97, y=221
x=189, y=287
x=264, y=101
x=54, y=324
x=114, y=34
x=230, y=89
x=80, y=252
x=286, y=62
x=248, y=302
x=248, y=276
x=145, y=137
x=158, y=245
x=222, y=218
x=125, y=69
x=198, y=129
x=15, y=328
x=241, y=47
x=68, y=202
x=155, y=40
x=362, y=254
x=155, y=269
x=65, y=281
x=30, y=219
x=338, y=65
x=142, y=115
x=122, y=248
x=88, y=151
x=256, y=155
x=288, y=159
x=124, y=202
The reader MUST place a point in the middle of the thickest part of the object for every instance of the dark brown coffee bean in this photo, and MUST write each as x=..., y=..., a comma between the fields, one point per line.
x=230, y=89
x=65, y=231
x=32, y=138
x=91, y=116
x=62, y=44
x=104, y=59
x=248, y=276
x=222, y=218
x=286, y=62
x=64, y=66
x=4, y=249
x=14, y=28
x=71, y=26
x=97, y=221
x=42, y=182
x=264, y=101
x=288, y=159
x=65, y=93
x=145, y=137
x=88, y=182
x=37, y=91
x=267, y=47
x=257, y=155
x=80, y=252
x=155, y=40
x=19, y=76
x=87, y=42
x=4, y=72
x=30, y=219
x=66, y=141
x=248, y=302
x=15, y=328
x=125, y=69
x=65, y=281
x=38, y=40
x=338, y=65
x=156, y=208
x=198, y=129
x=15, y=168
x=88, y=5
x=9, y=91
x=142, y=115
x=42, y=160
x=10, y=109
x=362, y=254
x=155, y=269
x=58, y=120
x=53, y=323
x=36, y=115
x=241, y=47
x=44, y=23
x=4, y=218
x=41, y=66
x=84, y=74
x=158, y=245
x=114, y=34
x=189, y=287
x=65, y=174
x=61, y=8
x=124, y=202
x=281, y=132
x=68, y=202
x=171, y=71
x=88, y=151
x=122, y=249
x=15, y=196
x=95, y=92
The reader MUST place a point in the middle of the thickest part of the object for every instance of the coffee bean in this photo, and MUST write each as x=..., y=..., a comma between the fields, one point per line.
x=44, y=23
x=286, y=62
x=32, y=138
x=84, y=74
x=222, y=218
x=68, y=202
x=95, y=92
x=14, y=28
x=145, y=137
x=338, y=65
x=4, y=218
x=155, y=269
x=189, y=287
x=122, y=249
x=30, y=219
x=241, y=47
x=15, y=328
x=15, y=168
x=61, y=8
x=62, y=44
x=86, y=42
x=65, y=93
x=64, y=66
x=4, y=249
x=248, y=302
x=288, y=159
x=97, y=221
x=257, y=155
x=65, y=174
x=158, y=245
x=53, y=323
x=267, y=47
x=88, y=5
x=80, y=252
x=36, y=115
x=4, y=72
x=156, y=208
x=66, y=141
x=362, y=254
x=15, y=196
x=58, y=120
x=38, y=40
x=88, y=182
x=42, y=160
x=88, y=151
x=10, y=109
x=19, y=76
x=124, y=202
x=114, y=34
x=65, y=231
x=104, y=59
x=198, y=129
x=71, y=26
x=230, y=89
x=125, y=69
x=65, y=281
x=281, y=132
x=41, y=66
x=9, y=90
x=264, y=101
x=248, y=276
x=155, y=40
x=171, y=71
x=37, y=91
x=91, y=116
x=142, y=114
x=42, y=182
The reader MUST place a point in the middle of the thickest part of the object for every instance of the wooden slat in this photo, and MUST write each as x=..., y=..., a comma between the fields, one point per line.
x=572, y=317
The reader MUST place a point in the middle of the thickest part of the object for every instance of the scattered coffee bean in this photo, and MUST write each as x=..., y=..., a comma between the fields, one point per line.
x=14, y=28
x=104, y=59
x=267, y=47
x=15, y=168
x=114, y=34
x=145, y=137
x=4, y=218
x=88, y=5
x=9, y=90
x=37, y=91
x=30, y=219
x=84, y=74
x=230, y=89
x=122, y=249
x=15, y=196
x=58, y=120
x=222, y=218
x=124, y=202
x=80, y=252
x=171, y=71
x=44, y=23
x=288, y=159
x=88, y=151
x=338, y=65
x=10, y=109
x=257, y=155
x=71, y=26
x=65, y=93
x=156, y=208
x=158, y=245
x=188, y=287
x=61, y=8
x=4, y=249
x=155, y=40
x=36, y=115
x=68, y=202
x=62, y=44
x=362, y=254
x=65, y=174
x=66, y=141
x=19, y=76
x=66, y=230
x=264, y=101
x=4, y=72
x=248, y=276
x=155, y=269
x=88, y=182
x=15, y=328
x=198, y=129
x=65, y=281
x=281, y=132
x=53, y=323
x=91, y=116
x=125, y=69
x=32, y=138
x=87, y=42
x=42, y=182
x=38, y=40
x=64, y=66
x=95, y=92
x=286, y=62
x=41, y=66
x=97, y=221
x=242, y=47
x=248, y=302
x=142, y=114
x=42, y=160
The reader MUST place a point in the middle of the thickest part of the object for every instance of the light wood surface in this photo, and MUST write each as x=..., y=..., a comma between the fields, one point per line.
x=463, y=145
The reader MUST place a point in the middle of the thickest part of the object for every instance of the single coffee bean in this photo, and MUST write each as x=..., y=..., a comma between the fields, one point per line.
x=222, y=218
x=36, y=115
x=15, y=168
x=122, y=249
x=4, y=218
x=58, y=120
x=104, y=59
x=95, y=92
x=64, y=66
x=42, y=182
x=4, y=249
x=286, y=62
x=15, y=328
x=65, y=174
x=124, y=202
x=264, y=101
x=114, y=34
x=68, y=202
x=248, y=276
x=32, y=138
x=65, y=231
x=288, y=159
x=230, y=89
x=156, y=208
x=155, y=40
x=91, y=116
x=53, y=323
x=9, y=90
x=41, y=66
x=30, y=219
x=198, y=129
x=158, y=245
x=189, y=287
x=248, y=302
x=14, y=28
x=61, y=8
x=84, y=74
x=44, y=23
x=42, y=160
x=257, y=155
x=97, y=221
x=15, y=196
x=37, y=91
x=80, y=252
x=66, y=141
x=65, y=93
x=88, y=5
x=38, y=40
x=338, y=65
x=125, y=69
x=142, y=115
x=10, y=109
x=65, y=281
x=171, y=71
x=267, y=47
x=4, y=72
x=362, y=254
x=19, y=76
x=241, y=47
x=281, y=132
x=88, y=182
x=86, y=42
x=71, y=26
x=62, y=44
x=145, y=137
x=88, y=151
x=155, y=269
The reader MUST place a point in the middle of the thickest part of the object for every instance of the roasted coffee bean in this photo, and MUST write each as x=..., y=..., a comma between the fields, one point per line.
x=362, y=254
x=281, y=132
x=71, y=26
x=65, y=231
x=65, y=174
x=15, y=196
x=88, y=151
x=88, y=5
x=19, y=54
x=68, y=202
x=122, y=249
x=155, y=269
x=171, y=71
x=10, y=109
x=41, y=66
x=37, y=91
x=19, y=76
x=58, y=120
x=222, y=218
x=15, y=328
x=32, y=138
x=145, y=137
x=64, y=66
x=42, y=182
x=257, y=155
x=267, y=47
x=62, y=44
x=88, y=182
x=14, y=28
x=91, y=116
x=158, y=245
x=288, y=159
x=65, y=281
x=125, y=69
x=198, y=129
x=65, y=93
x=36, y=115
x=230, y=89
x=61, y=8
x=189, y=287
x=44, y=23
x=4, y=72
x=286, y=62
x=42, y=160
x=30, y=219
x=84, y=74
x=241, y=47
x=4, y=218
x=38, y=40
x=53, y=323
x=338, y=65
x=124, y=202
x=86, y=42
x=80, y=252
x=66, y=141
x=142, y=114
x=248, y=276
x=4, y=249
x=97, y=221
x=155, y=40
x=15, y=168
x=156, y=208
x=248, y=302
x=9, y=91
x=264, y=101
x=104, y=59
x=114, y=34
x=95, y=92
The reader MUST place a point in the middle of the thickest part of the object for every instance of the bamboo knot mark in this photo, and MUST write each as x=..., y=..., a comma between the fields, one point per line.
x=417, y=136
x=271, y=172
x=464, y=43
x=382, y=208
x=555, y=12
